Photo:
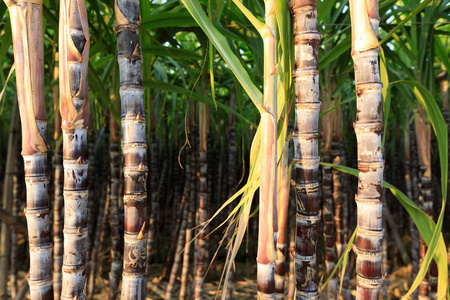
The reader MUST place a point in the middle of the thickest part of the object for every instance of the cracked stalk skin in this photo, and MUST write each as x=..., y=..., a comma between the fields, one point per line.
x=368, y=130
x=27, y=35
x=306, y=155
x=134, y=147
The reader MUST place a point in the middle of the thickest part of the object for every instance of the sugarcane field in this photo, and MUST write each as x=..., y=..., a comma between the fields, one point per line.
x=224, y=149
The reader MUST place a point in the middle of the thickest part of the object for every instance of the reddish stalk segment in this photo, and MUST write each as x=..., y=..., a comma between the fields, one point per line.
x=306, y=154
x=27, y=34
x=134, y=148
x=364, y=19
x=282, y=212
x=74, y=108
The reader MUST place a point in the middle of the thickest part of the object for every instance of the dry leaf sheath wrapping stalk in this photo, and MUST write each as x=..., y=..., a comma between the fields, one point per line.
x=267, y=204
x=365, y=19
x=28, y=35
x=306, y=155
x=134, y=148
x=74, y=108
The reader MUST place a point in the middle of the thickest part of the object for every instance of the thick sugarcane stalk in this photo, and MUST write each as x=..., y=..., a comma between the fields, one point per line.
x=268, y=224
x=114, y=161
x=202, y=246
x=27, y=32
x=190, y=205
x=306, y=154
x=74, y=108
x=368, y=128
x=134, y=148
x=58, y=203
x=7, y=199
x=282, y=212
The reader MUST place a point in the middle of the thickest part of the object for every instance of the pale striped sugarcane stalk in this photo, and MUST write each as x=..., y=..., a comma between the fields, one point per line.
x=116, y=253
x=28, y=36
x=58, y=203
x=306, y=154
x=266, y=255
x=134, y=148
x=203, y=201
x=364, y=20
x=74, y=108
x=282, y=212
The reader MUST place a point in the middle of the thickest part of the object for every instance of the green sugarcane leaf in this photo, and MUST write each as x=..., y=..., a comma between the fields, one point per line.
x=442, y=53
x=440, y=130
x=6, y=40
x=177, y=53
x=348, y=100
x=342, y=260
x=98, y=87
x=330, y=56
x=221, y=44
x=164, y=86
x=166, y=20
x=386, y=93
x=248, y=14
x=427, y=229
x=417, y=10
x=51, y=19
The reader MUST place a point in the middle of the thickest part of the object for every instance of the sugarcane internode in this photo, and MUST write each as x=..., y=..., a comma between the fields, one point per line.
x=134, y=148
x=368, y=129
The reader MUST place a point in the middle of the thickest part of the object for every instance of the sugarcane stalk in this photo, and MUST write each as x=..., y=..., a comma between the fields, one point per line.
x=232, y=180
x=327, y=196
x=182, y=232
x=16, y=189
x=74, y=108
x=134, y=148
x=368, y=128
x=306, y=154
x=100, y=219
x=8, y=238
x=27, y=32
x=58, y=203
x=266, y=255
x=190, y=205
x=114, y=160
x=282, y=212
x=428, y=286
x=202, y=247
